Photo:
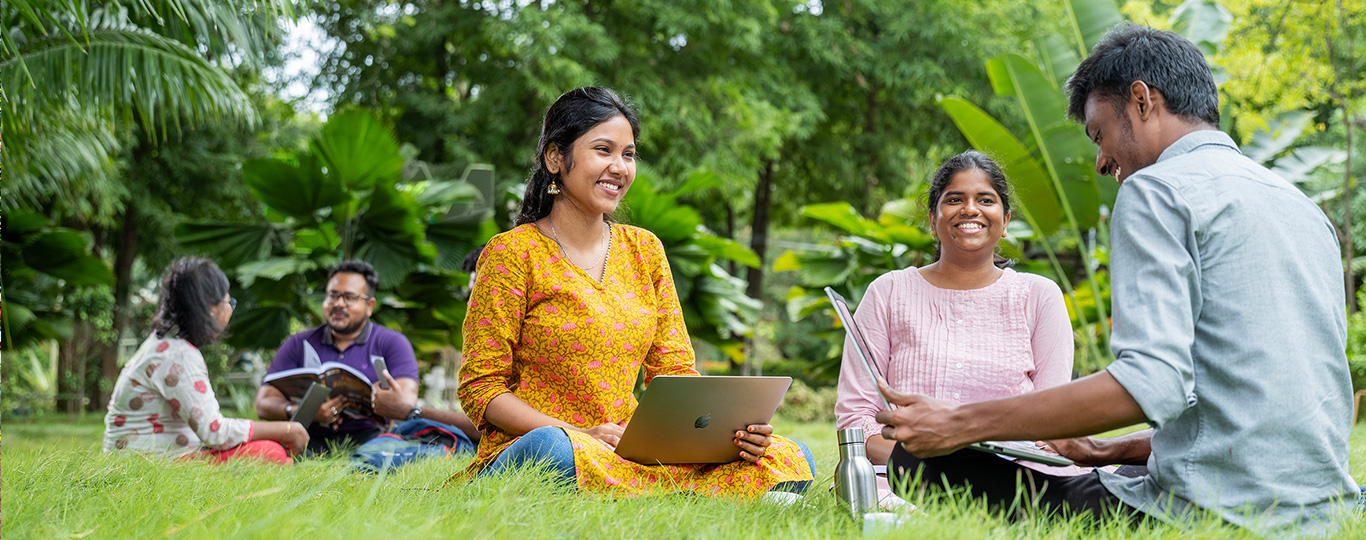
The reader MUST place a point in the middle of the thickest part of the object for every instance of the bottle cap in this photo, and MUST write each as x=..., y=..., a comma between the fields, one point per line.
x=851, y=435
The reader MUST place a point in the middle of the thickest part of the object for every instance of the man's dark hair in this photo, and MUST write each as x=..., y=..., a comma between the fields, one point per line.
x=358, y=267
x=471, y=261
x=1163, y=60
x=189, y=290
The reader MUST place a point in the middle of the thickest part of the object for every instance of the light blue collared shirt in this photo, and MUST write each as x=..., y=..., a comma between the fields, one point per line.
x=1230, y=331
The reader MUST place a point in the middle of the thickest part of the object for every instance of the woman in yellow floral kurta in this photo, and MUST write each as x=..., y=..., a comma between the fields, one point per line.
x=553, y=348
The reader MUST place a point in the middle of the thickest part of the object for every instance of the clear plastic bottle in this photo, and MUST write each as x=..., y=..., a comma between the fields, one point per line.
x=855, y=481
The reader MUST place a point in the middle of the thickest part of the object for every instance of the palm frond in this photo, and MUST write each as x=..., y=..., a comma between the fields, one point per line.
x=67, y=158
x=150, y=78
x=240, y=32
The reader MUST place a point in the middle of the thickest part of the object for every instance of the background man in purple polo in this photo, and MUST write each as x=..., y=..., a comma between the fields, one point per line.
x=348, y=337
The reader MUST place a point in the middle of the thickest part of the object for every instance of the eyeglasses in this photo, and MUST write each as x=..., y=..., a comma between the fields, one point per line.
x=232, y=303
x=346, y=298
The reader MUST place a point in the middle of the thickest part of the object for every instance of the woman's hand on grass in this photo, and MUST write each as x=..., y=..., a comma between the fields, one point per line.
x=754, y=441
x=608, y=433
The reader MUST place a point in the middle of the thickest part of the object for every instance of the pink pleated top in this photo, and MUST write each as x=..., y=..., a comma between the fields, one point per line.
x=1008, y=338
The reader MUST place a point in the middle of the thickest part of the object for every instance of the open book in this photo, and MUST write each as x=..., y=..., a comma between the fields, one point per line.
x=343, y=380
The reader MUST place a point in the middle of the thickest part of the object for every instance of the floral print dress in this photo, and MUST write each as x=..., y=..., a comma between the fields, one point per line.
x=541, y=328
x=162, y=403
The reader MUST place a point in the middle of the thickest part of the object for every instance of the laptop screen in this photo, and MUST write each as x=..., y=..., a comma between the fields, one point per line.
x=856, y=335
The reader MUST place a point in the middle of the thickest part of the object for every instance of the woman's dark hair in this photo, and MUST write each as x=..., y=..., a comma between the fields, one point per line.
x=572, y=115
x=355, y=266
x=1161, y=59
x=189, y=290
x=965, y=161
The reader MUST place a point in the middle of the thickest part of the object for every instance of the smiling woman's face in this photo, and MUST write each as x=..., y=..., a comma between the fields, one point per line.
x=602, y=169
x=969, y=216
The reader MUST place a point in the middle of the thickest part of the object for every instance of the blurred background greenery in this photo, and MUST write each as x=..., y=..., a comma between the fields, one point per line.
x=785, y=146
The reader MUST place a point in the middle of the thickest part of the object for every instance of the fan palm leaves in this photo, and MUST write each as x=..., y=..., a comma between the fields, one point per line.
x=160, y=64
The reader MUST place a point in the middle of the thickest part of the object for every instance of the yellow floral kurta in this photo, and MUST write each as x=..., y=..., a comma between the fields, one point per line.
x=571, y=347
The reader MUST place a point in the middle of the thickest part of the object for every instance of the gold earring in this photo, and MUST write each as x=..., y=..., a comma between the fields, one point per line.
x=554, y=188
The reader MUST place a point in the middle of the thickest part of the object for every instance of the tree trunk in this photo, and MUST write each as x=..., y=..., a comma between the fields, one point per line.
x=869, y=136
x=71, y=361
x=730, y=233
x=1348, y=250
x=1344, y=97
x=123, y=282
x=763, y=198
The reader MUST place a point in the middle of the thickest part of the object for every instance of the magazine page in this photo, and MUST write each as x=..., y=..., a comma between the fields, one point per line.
x=293, y=385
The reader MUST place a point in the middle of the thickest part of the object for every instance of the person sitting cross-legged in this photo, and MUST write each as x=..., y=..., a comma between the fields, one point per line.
x=348, y=336
x=569, y=306
x=963, y=328
x=1229, y=329
x=162, y=402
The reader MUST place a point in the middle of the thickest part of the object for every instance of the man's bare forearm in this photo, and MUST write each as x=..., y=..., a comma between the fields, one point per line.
x=1092, y=404
x=270, y=404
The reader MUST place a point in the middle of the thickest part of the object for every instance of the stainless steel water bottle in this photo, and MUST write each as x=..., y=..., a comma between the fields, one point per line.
x=855, y=481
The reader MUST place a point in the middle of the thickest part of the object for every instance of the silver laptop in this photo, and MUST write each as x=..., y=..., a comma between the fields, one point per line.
x=693, y=419
x=1011, y=449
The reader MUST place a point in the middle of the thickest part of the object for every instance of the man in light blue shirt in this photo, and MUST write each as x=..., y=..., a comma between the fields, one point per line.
x=1229, y=324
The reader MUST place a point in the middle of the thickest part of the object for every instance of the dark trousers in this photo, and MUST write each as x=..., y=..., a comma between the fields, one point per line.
x=1011, y=488
x=322, y=440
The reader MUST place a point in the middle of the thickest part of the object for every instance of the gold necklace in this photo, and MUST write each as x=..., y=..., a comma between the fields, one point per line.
x=607, y=238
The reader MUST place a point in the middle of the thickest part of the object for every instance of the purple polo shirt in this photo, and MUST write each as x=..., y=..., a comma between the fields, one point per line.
x=315, y=346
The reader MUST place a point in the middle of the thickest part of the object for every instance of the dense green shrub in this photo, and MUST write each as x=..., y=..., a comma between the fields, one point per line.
x=806, y=404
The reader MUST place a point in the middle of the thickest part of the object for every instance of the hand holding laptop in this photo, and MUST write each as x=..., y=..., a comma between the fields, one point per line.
x=754, y=441
x=608, y=433
x=924, y=407
x=919, y=422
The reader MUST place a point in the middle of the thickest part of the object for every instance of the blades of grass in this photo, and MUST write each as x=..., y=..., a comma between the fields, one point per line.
x=286, y=509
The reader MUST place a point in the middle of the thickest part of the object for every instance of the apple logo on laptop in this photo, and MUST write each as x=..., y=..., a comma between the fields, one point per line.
x=702, y=421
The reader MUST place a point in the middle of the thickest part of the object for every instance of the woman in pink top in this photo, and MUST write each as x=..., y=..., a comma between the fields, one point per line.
x=162, y=402
x=966, y=327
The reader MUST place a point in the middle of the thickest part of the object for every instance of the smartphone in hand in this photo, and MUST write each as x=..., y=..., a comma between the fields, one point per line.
x=380, y=367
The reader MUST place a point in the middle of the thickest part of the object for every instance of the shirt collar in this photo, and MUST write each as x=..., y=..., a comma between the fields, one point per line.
x=1196, y=139
x=360, y=339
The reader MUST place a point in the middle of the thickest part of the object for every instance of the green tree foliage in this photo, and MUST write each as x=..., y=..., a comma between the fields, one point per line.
x=41, y=262
x=346, y=197
x=876, y=70
x=714, y=303
x=114, y=65
x=91, y=89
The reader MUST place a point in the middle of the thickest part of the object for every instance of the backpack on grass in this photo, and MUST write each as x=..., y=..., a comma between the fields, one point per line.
x=409, y=441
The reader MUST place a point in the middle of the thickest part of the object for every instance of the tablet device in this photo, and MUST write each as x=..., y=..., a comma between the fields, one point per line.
x=693, y=419
x=866, y=354
x=308, y=407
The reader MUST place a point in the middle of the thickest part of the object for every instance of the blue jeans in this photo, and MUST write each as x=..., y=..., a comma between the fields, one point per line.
x=548, y=446
x=551, y=448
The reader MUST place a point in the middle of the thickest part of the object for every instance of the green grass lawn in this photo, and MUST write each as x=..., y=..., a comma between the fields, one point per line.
x=57, y=484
